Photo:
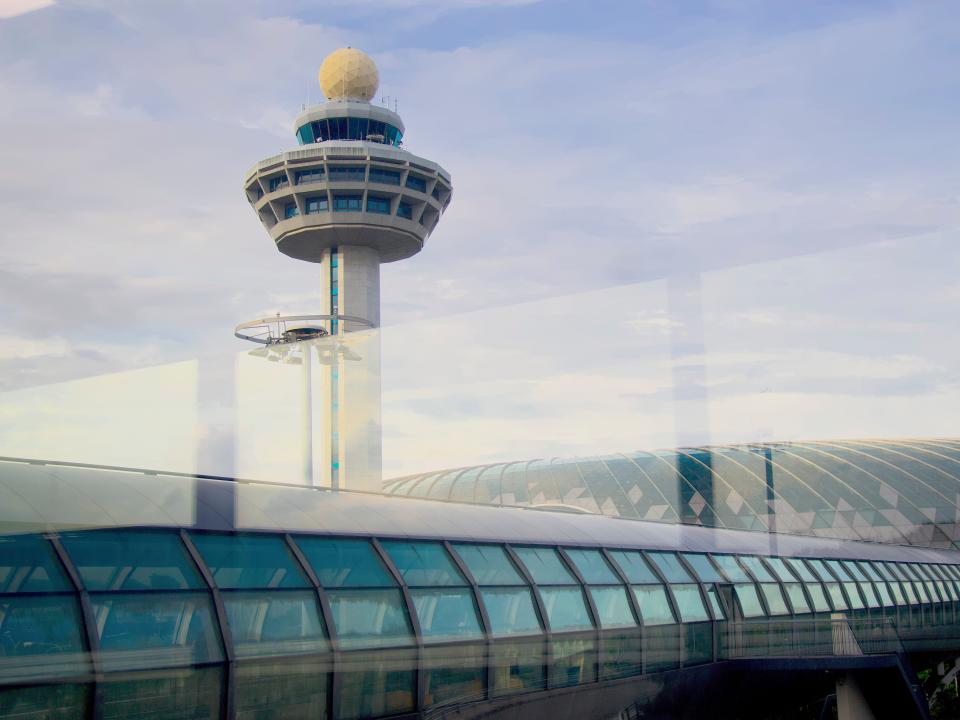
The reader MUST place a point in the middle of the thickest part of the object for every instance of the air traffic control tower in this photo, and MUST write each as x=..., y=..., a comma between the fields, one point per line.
x=349, y=198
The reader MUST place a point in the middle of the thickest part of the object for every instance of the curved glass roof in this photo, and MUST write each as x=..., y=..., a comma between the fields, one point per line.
x=902, y=492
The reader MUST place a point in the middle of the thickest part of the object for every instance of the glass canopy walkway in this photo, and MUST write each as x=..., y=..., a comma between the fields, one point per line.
x=438, y=606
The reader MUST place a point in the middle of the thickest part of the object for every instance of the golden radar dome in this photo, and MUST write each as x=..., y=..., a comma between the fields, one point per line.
x=349, y=73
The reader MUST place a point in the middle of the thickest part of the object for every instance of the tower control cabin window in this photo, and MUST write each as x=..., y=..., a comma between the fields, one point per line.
x=347, y=203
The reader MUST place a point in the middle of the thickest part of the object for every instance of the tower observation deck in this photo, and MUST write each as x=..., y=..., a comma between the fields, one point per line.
x=350, y=196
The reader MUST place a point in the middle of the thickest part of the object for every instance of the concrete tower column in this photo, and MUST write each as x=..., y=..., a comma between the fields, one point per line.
x=851, y=702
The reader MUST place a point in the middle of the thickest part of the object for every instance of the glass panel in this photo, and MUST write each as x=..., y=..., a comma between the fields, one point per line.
x=728, y=564
x=249, y=561
x=46, y=702
x=592, y=566
x=885, y=599
x=376, y=684
x=867, y=568
x=40, y=637
x=749, y=601
x=774, y=597
x=853, y=597
x=911, y=595
x=282, y=690
x=27, y=564
x=853, y=571
x=370, y=618
x=715, y=604
x=797, y=598
x=622, y=655
x=489, y=564
x=518, y=666
x=613, y=606
x=574, y=662
x=446, y=614
x=155, y=630
x=345, y=563
x=423, y=563
x=129, y=560
x=670, y=566
x=839, y=570
x=278, y=623
x=566, y=609
x=544, y=565
x=898, y=595
x=454, y=674
x=689, y=603
x=184, y=694
x=820, y=603
x=821, y=570
x=511, y=611
x=867, y=590
x=760, y=573
x=703, y=568
x=800, y=568
x=780, y=569
x=883, y=570
x=653, y=603
x=836, y=596
x=634, y=567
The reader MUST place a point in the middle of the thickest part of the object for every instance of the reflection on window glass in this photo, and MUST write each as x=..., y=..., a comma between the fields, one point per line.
x=653, y=603
x=634, y=567
x=27, y=564
x=544, y=565
x=155, y=630
x=703, y=568
x=728, y=564
x=854, y=571
x=40, y=637
x=780, y=569
x=821, y=570
x=574, y=662
x=593, y=568
x=566, y=609
x=511, y=611
x=518, y=666
x=489, y=564
x=376, y=684
x=760, y=573
x=369, y=618
x=898, y=595
x=773, y=596
x=836, y=596
x=181, y=694
x=689, y=603
x=670, y=566
x=801, y=569
x=749, y=601
x=423, y=563
x=446, y=614
x=345, y=563
x=453, y=673
x=797, y=598
x=867, y=590
x=613, y=606
x=281, y=690
x=128, y=560
x=277, y=623
x=853, y=597
x=715, y=604
x=249, y=561
x=839, y=570
x=817, y=596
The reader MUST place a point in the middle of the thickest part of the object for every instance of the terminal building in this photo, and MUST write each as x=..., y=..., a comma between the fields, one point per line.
x=760, y=581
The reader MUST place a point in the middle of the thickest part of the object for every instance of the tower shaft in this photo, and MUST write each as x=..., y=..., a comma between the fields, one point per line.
x=350, y=285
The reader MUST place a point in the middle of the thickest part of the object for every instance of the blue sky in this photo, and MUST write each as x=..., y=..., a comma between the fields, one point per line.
x=591, y=145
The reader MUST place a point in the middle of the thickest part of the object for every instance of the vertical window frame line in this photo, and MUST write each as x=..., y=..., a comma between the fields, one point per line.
x=674, y=608
x=486, y=628
x=634, y=605
x=88, y=620
x=541, y=609
x=228, y=696
x=327, y=613
x=591, y=607
x=413, y=618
